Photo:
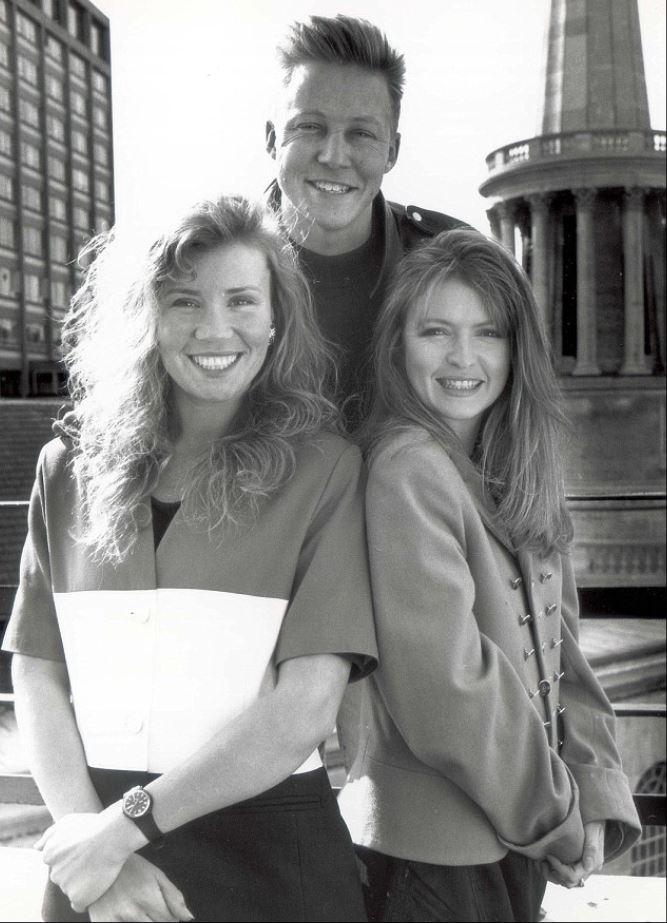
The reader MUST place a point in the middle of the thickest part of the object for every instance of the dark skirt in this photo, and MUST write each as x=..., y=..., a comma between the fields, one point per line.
x=284, y=855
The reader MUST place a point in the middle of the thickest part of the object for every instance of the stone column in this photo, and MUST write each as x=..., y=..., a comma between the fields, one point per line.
x=586, y=363
x=494, y=222
x=539, y=217
x=634, y=360
x=506, y=213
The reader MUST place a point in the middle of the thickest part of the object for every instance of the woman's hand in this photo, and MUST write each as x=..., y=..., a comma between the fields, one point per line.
x=140, y=892
x=83, y=857
x=592, y=859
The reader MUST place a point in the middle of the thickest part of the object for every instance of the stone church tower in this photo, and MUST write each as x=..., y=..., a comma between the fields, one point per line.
x=582, y=204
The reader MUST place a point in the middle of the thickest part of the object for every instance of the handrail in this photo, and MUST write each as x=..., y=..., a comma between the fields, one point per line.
x=597, y=142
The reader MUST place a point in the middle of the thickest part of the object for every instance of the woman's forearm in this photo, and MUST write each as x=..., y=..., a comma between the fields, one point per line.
x=251, y=754
x=49, y=734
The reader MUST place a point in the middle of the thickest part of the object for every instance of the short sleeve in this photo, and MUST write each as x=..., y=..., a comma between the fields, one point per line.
x=33, y=626
x=330, y=610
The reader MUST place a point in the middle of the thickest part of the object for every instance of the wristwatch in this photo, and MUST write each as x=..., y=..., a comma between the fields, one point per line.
x=138, y=806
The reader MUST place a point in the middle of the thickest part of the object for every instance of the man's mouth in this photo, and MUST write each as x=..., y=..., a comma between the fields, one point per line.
x=215, y=363
x=331, y=188
x=460, y=385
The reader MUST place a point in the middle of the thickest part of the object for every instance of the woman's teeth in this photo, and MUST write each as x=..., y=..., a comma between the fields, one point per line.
x=215, y=363
x=459, y=384
x=334, y=188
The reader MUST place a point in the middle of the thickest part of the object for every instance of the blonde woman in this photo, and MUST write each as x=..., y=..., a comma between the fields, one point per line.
x=486, y=761
x=195, y=579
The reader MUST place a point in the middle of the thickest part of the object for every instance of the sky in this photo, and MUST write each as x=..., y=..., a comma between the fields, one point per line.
x=193, y=83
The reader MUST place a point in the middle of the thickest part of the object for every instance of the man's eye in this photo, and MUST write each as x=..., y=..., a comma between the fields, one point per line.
x=308, y=127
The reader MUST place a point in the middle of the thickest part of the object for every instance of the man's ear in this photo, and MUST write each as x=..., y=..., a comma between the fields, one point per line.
x=392, y=156
x=270, y=134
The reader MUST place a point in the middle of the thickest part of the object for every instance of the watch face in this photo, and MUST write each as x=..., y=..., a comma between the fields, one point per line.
x=136, y=803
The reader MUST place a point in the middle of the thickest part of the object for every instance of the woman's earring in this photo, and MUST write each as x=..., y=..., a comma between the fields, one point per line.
x=272, y=334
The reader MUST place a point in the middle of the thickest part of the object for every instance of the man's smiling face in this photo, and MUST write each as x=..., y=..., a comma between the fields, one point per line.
x=333, y=141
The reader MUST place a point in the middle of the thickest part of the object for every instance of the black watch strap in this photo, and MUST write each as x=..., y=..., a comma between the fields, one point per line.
x=149, y=829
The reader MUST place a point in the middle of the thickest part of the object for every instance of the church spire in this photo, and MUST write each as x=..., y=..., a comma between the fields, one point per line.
x=594, y=68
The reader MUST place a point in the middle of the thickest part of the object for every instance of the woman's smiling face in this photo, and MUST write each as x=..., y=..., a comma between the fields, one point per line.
x=214, y=326
x=457, y=358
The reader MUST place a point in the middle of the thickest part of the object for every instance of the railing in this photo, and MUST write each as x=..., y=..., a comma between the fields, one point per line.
x=577, y=143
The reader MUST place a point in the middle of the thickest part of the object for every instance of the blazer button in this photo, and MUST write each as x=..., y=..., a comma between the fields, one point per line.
x=516, y=582
x=546, y=575
x=544, y=687
x=133, y=724
x=416, y=216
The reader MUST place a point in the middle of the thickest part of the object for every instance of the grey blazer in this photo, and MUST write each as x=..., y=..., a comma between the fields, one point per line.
x=484, y=729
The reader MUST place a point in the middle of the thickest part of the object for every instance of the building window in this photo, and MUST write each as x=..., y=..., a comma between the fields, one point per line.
x=52, y=9
x=80, y=180
x=53, y=48
x=54, y=87
x=100, y=118
x=96, y=40
x=6, y=144
x=101, y=154
x=56, y=168
x=102, y=190
x=3, y=11
x=57, y=208
x=55, y=127
x=32, y=240
x=34, y=333
x=77, y=65
x=75, y=20
x=99, y=82
x=32, y=197
x=81, y=217
x=30, y=155
x=6, y=330
x=59, y=294
x=58, y=248
x=78, y=103
x=79, y=141
x=4, y=55
x=26, y=28
x=6, y=287
x=6, y=231
x=27, y=69
x=6, y=187
x=32, y=287
x=29, y=112
x=5, y=99
x=648, y=854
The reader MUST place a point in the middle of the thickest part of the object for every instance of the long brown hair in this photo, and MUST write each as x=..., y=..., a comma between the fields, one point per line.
x=123, y=425
x=518, y=450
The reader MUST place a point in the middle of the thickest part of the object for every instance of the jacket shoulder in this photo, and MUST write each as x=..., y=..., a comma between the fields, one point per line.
x=427, y=223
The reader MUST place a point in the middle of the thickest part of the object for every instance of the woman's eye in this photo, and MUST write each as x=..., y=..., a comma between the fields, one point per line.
x=187, y=303
x=241, y=301
x=434, y=332
x=491, y=332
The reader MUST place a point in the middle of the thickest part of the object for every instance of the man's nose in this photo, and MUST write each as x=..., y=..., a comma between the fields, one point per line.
x=335, y=150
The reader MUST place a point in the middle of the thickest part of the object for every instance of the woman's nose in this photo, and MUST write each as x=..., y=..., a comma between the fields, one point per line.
x=460, y=352
x=334, y=150
x=214, y=325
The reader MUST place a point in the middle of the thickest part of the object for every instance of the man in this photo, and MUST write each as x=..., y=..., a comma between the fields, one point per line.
x=334, y=136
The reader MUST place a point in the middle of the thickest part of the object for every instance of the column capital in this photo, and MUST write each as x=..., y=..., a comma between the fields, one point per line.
x=634, y=196
x=506, y=210
x=539, y=201
x=585, y=196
